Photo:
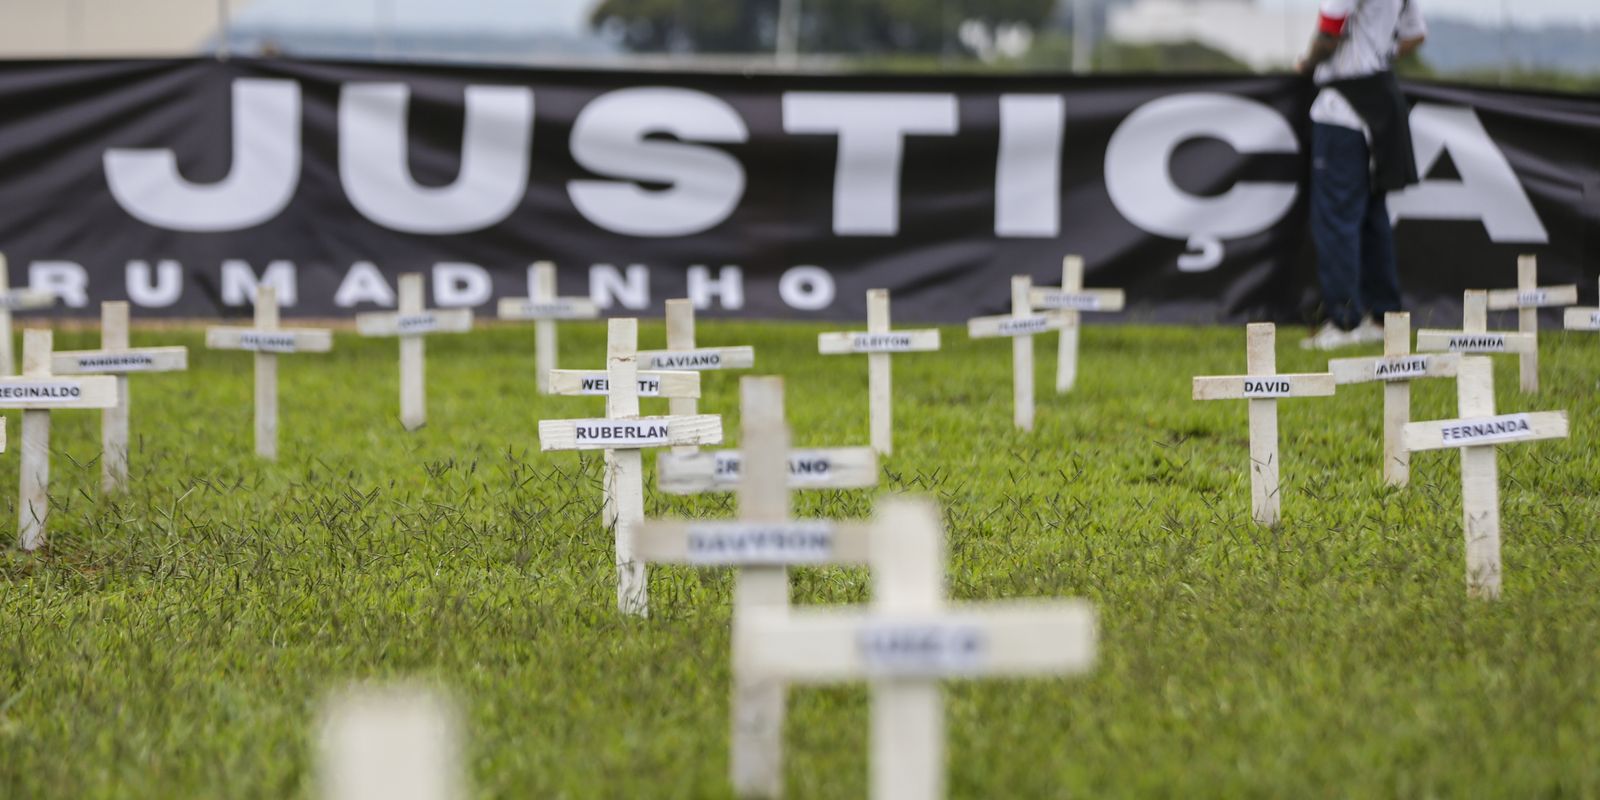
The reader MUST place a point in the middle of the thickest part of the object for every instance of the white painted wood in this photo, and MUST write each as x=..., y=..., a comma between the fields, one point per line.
x=840, y=343
x=2, y=434
x=1475, y=336
x=810, y=468
x=1021, y=325
x=412, y=324
x=1477, y=433
x=15, y=300
x=1397, y=368
x=1528, y=317
x=907, y=641
x=268, y=340
x=1244, y=387
x=1397, y=394
x=1582, y=319
x=1050, y=298
x=563, y=434
x=33, y=500
x=735, y=543
x=390, y=743
x=1069, y=300
x=546, y=349
x=880, y=380
x=556, y=308
x=125, y=361
x=651, y=384
x=1010, y=325
x=114, y=420
x=698, y=358
x=45, y=391
x=680, y=338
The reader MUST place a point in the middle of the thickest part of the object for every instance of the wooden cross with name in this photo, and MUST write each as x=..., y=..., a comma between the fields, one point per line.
x=1477, y=433
x=390, y=743
x=1263, y=387
x=878, y=342
x=1069, y=301
x=38, y=392
x=622, y=434
x=23, y=299
x=1021, y=325
x=683, y=354
x=268, y=341
x=1475, y=336
x=1527, y=299
x=1582, y=319
x=909, y=640
x=410, y=323
x=760, y=546
x=1396, y=369
x=545, y=308
x=118, y=359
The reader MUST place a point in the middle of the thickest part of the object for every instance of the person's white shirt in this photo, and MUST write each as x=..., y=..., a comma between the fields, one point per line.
x=1370, y=32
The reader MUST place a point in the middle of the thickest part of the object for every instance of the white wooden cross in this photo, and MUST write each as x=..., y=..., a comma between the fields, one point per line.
x=1477, y=433
x=23, y=299
x=760, y=546
x=910, y=639
x=37, y=393
x=622, y=433
x=1582, y=319
x=1475, y=336
x=267, y=340
x=878, y=342
x=683, y=354
x=118, y=358
x=1021, y=325
x=390, y=743
x=1069, y=301
x=1396, y=369
x=545, y=308
x=1263, y=387
x=410, y=323
x=1528, y=298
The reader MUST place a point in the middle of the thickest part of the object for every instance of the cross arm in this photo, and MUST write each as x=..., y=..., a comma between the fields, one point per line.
x=113, y=362
x=699, y=358
x=58, y=393
x=1241, y=387
x=1439, y=434
x=741, y=543
x=25, y=299
x=1008, y=325
x=282, y=340
x=1582, y=319
x=1394, y=368
x=1055, y=298
x=964, y=640
x=719, y=470
x=659, y=383
x=1503, y=299
x=629, y=433
x=846, y=342
x=1437, y=341
x=525, y=308
x=390, y=323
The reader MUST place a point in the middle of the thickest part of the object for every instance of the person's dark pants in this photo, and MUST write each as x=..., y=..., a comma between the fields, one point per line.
x=1350, y=227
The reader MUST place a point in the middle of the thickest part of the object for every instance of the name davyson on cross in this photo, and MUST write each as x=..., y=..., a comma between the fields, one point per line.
x=774, y=540
x=109, y=362
x=63, y=391
x=622, y=432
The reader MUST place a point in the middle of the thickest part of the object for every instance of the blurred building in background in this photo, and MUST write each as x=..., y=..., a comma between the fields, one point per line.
x=1493, y=40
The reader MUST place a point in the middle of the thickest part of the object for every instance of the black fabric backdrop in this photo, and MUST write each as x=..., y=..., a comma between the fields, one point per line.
x=63, y=226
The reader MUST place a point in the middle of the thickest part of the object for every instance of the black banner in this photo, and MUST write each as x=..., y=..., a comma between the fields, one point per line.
x=179, y=185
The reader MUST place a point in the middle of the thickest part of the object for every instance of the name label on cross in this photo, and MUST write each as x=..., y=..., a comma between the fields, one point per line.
x=881, y=342
x=129, y=362
x=417, y=323
x=1476, y=343
x=733, y=543
x=1487, y=430
x=619, y=433
x=1022, y=326
x=1594, y=319
x=267, y=342
x=921, y=649
x=41, y=394
x=803, y=466
x=648, y=387
x=1070, y=301
x=1266, y=387
x=1396, y=368
x=1536, y=297
x=554, y=308
x=685, y=359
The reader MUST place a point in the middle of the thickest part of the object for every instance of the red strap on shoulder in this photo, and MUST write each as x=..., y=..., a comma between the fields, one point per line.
x=1332, y=26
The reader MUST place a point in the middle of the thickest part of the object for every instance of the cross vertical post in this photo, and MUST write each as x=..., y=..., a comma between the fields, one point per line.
x=542, y=288
x=1475, y=336
x=624, y=476
x=1067, y=347
x=14, y=300
x=1528, y=321
x=114, y=420
x=879, y=342
x=1022, y=355
x=266, y=319
x=680, y=336
x=390, y=743
x=1395, y=369
x=413, y=378
x=908, y=712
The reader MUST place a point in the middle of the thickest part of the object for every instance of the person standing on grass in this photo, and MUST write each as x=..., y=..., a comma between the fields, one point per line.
x=1360, y=150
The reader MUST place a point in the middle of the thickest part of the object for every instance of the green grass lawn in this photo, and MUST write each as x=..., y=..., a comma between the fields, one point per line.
x=176, y=642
